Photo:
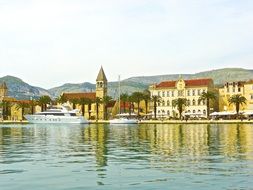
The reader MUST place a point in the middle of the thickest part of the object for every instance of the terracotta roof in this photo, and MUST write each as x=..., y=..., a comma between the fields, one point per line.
x=188, y=83
x=78, y=95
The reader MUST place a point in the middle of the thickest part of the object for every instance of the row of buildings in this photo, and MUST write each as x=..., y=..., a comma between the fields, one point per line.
x=190, y=89
x=193, y=88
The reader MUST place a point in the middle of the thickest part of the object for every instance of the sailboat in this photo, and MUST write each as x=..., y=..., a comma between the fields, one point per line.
x=122, y=118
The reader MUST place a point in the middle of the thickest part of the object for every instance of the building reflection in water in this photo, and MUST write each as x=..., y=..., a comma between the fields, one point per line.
x=194, y=141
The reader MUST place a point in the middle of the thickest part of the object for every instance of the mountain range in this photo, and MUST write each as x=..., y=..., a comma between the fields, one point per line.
x=21, y=90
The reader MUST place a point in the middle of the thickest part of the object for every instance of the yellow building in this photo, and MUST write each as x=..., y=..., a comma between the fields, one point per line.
x=9, y=109
x=101, y=92
x=244, y=88
x=189, y=89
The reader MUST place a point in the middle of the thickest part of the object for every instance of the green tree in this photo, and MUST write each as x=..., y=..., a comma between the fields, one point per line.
x=74, y=102
x=98, y=101
x=83, y=102
x=106, y=101
x=43, y=101
x=22, y=105
x=6, y=109
x=32, y=105
x=61, y=99
x=146, y=98
x=206, y=97
x=180, y=103
x=155, y=99
x=90, y=101
x=124, y=98
x=237, y=100
x=137, y=97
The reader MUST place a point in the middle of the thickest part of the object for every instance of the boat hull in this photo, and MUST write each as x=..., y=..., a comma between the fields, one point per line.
x=124, y=121
x=55, y=119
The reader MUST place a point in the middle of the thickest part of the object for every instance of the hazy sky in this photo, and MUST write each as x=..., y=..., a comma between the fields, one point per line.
x=50, y=42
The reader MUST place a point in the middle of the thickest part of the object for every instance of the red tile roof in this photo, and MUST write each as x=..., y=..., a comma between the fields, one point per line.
x=78, y=95
x=188, y=83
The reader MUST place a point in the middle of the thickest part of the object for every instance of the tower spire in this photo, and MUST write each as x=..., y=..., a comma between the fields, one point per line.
x=101, y=75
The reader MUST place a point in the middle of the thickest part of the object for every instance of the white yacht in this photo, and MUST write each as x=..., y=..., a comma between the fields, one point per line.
x=62, y=114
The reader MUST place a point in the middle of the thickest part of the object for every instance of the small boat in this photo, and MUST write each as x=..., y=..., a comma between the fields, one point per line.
x=62, y=114
x=123, y=118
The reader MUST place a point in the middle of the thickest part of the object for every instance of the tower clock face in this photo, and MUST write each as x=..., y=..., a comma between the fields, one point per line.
x=180, y=85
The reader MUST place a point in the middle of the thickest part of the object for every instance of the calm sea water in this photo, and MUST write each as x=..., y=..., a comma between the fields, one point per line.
x=39, y=157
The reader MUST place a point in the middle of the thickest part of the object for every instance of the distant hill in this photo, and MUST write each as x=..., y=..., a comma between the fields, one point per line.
x=22, y=90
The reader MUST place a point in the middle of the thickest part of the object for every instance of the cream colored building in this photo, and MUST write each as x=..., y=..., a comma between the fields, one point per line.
x=244, y=88
x=189, y=89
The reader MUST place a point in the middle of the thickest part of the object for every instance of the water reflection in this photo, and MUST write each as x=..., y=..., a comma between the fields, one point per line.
x=171, y=140
x=126, y=157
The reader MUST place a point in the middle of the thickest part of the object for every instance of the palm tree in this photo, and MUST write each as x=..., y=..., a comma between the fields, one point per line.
x=106, y=100
x=61, y=99
x=90, y=101
x=237, y=100
x=22, y=105
x=83, y=102
x=43, y=101
x=97, y=101
x=137, y=97
x=124, y=98
x=146, y=98
x=74, y=102
x=156, y=99
x=131, y=104
x=207, y=97
x=32, y=104
x=180, y=103
x=6, y=105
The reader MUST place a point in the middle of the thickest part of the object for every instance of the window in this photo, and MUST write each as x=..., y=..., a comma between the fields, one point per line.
x=204, y=112
x=168, y=112
x=193, y=102
x=193, y=111
x=239, y=89
x=159, y=111
x=188, y=102
x=251, y=96
x=227, y=89
x=193, y=92
x=159, y=93
x=233, y=89
x=188, y=92
x=168, y=103
x=199, y=102
x=199, y=111
x=168, y=93
x=199, y=92
x=172, y=93
x=158, y=104
x=163, y=94
x=163, y=102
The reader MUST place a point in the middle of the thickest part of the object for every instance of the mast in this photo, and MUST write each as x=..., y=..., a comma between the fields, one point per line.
x=119, y=96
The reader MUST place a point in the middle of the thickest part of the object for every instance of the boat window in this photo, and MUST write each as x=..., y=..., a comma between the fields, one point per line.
x=72, y=114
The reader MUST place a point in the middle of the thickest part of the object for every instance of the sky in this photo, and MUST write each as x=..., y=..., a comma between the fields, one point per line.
x=48, y=43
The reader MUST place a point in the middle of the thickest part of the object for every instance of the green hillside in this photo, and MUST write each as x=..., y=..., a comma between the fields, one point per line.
x=22, y=90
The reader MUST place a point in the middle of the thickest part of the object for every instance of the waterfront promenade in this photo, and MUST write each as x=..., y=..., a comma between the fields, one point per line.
x=156, y=122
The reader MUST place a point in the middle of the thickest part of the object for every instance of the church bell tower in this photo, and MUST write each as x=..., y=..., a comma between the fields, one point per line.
x=101, y=90
x=3, y=90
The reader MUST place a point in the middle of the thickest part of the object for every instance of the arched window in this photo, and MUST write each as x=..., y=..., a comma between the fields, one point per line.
x=168, y=112
x=168, y=103
x=204, y=112
x=199, y=102
x=193, y=111
x=163, y=102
